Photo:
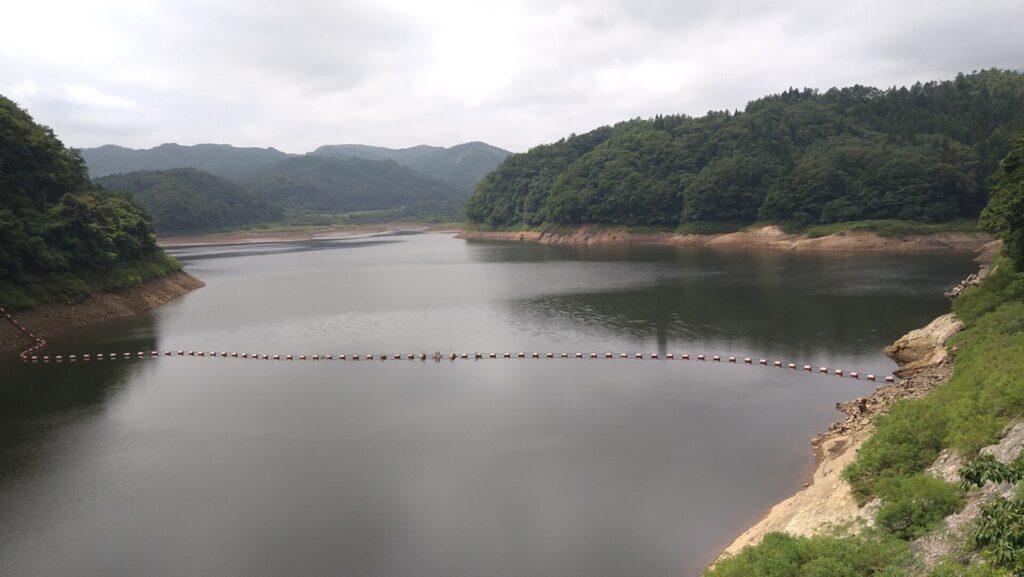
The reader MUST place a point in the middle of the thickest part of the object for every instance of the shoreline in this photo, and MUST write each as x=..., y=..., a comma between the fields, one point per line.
x=298, y=234
x=826, y=498
x=59, y=318
x=767, y=238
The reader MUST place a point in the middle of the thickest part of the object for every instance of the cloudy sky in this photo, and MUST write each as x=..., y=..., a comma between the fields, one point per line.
x=514, y=73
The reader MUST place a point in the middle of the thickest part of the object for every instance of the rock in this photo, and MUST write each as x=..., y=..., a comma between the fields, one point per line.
x=924, y=347
x=947, y=466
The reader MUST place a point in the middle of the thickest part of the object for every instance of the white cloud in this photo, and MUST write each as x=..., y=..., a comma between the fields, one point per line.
x=296, y=74
x=84, y=95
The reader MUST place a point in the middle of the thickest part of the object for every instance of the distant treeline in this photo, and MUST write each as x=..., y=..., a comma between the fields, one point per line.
x=187, y=199
x=61, y=236
x=800, y=157
x=213, y=186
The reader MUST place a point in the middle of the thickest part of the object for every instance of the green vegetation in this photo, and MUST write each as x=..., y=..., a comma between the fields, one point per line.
x=1000, y=529
x=983, y=396
x=1004, y=215
x=461, y=166
x=780, y=555
x=800, y=158
x=59, y=237
x=914, y=505
x=971, y=410
x=889, y=228
x=189, y=200
x=220, y=159
x=313, y=184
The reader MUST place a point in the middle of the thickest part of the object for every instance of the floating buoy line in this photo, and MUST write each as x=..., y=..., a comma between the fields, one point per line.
x=30, y=355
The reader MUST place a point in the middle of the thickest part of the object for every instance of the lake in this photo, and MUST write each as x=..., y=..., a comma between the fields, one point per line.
x=506, y=467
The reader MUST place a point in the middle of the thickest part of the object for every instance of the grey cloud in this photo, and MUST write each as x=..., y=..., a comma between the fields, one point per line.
x=298, y=74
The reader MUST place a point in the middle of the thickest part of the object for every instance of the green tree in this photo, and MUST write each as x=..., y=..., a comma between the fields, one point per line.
x=1004, y=215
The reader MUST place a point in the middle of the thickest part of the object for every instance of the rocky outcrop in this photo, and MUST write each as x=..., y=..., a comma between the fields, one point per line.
x=925, y=347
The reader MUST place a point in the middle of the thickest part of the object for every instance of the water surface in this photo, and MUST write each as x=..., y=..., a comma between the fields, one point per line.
x=500, y=468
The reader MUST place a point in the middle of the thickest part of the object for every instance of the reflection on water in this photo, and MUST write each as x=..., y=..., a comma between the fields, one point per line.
x=500, y=468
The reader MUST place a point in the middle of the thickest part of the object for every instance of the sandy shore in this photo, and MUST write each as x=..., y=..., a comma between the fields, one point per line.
x=58, y=318
x=769, y=237
x=298, y=234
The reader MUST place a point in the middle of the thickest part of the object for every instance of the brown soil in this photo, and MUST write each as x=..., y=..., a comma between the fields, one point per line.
x=769, y=237
x=58, y=318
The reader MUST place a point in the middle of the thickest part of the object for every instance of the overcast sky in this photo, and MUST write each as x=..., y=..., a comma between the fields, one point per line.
x=514, y=73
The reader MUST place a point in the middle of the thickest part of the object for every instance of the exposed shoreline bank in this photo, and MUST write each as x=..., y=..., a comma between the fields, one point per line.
x=769, y=238
x=298, y=234
x=827, y=499
x=54, y=319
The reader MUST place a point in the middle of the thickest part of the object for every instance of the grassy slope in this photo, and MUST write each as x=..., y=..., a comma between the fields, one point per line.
x=985, y=393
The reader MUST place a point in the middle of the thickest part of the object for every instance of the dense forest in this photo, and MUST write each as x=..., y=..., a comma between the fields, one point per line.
x=798, y=158
x=187, y=199
x=61, y=236
x=461, y=166
x=314, y=184
x=209, y=187
x=913, y=507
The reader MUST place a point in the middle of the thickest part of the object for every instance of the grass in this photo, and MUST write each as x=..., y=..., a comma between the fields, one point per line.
x=35, y=290
x=869, y=553
x=983, y=396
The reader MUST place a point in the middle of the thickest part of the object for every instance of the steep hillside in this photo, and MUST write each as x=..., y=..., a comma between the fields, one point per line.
x=799, y=158
x=191, y=200
x=60, y=237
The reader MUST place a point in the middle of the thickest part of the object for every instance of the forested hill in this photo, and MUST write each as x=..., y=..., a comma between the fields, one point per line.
x=220, y=159
x=314, y=184
x=60, y=237
x=187, y=199
x=461, y=166
x=800, y=157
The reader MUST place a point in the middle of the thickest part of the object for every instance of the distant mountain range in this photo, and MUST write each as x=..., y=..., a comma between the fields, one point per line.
x=460, y=166
x=215, y=186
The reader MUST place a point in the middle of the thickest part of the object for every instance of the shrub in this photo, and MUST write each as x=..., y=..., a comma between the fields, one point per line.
x=915, y=505
x=868, y=554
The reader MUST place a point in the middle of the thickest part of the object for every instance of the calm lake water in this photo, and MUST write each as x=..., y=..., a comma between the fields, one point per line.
x=518, y=468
